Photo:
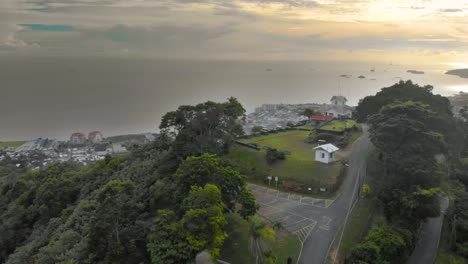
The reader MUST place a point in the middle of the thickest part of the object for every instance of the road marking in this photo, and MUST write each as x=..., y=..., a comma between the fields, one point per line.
x=304, y=232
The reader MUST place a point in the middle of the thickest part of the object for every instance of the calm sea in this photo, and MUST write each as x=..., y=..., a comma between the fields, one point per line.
x=54, y=97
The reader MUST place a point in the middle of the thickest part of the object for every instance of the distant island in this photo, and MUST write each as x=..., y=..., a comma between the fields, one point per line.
x=415, y=72
x=462, y=73
x=362, y=77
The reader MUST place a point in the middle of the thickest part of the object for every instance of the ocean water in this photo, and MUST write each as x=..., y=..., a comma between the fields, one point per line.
x=53, y=97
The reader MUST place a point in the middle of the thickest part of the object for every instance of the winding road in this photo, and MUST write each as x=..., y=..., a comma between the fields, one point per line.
x=316, y=246
x=316, y=221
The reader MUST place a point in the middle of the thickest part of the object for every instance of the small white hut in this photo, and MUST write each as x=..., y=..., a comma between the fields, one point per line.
x=326, y=153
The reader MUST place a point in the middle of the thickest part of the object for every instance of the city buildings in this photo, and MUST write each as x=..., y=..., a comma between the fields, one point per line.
x=78, y=138
x=95, y=137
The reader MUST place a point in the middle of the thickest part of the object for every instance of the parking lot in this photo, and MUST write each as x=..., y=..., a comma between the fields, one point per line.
x=297, y=214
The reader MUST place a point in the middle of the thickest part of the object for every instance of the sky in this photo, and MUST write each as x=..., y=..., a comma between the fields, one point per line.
x=407, y=31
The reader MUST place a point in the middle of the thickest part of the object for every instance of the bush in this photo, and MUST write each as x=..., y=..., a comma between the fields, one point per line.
x=273, y=155
x=384, y=244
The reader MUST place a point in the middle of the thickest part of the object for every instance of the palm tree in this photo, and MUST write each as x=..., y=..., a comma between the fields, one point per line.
x=260, y=233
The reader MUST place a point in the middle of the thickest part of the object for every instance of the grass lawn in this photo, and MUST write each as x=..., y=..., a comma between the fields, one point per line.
x=300, y=166
x=339, y=126
x=309, y=127
x=11, y=144
x=236, y=246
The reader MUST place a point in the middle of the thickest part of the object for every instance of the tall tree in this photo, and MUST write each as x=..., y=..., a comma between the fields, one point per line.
x=401, y=132
x=403, y=91
x=110, y=233
x=204, y=128
x=202, y=227
x=208, y=168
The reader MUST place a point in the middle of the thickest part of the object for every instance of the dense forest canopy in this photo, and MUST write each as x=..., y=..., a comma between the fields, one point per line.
x=409, y=126
x=134, y=208
x=402, y=91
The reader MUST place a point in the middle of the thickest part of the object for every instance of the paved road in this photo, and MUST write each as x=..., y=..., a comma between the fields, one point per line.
x=426, y=249
x=315, y=221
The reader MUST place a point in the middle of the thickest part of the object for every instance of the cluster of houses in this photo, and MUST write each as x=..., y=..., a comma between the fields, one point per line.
x=276, y=116
x=79, y=138
x=41, y=152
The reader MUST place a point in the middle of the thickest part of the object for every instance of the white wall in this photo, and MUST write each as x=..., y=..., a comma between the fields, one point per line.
x=323, y=156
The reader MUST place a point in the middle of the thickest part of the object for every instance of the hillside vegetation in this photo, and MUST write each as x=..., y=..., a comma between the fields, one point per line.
x=409, y=126
x=164, y=203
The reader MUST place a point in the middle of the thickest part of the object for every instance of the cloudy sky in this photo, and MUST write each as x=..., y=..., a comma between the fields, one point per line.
x=409, y=31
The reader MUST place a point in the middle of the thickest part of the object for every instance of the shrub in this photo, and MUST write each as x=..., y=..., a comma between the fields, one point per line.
x=273, y=155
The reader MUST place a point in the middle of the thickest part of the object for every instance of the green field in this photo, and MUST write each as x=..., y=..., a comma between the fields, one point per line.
x=11, y=144
x=339, y=126
x=236, y=246
x=300, y=165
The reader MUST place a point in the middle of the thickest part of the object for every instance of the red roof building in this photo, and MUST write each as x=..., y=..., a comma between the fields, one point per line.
x=78, y=138
x=95, y=136
x=321, y=117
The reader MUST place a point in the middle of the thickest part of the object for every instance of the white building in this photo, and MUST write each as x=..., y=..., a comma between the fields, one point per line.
x=338, y=107
x=326, y=153
x=95, y=137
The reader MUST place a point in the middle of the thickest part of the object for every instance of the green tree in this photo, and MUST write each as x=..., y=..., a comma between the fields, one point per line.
x=407, y=147
x=382, y=245
x=459, y=224
x=249, y=205
x=204, y=222
x=110, y=229
x=202, y=227
x=208, y=168
x=166, y=241
x=403, y=91
x=204, y=128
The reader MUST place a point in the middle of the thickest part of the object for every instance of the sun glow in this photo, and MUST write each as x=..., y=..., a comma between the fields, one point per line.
x=463, y=65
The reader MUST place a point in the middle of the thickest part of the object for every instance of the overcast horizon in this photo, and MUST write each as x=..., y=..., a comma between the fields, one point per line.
x=117, y=66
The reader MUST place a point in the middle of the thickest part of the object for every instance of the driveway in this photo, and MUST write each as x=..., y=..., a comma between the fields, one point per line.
x=316, y=221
